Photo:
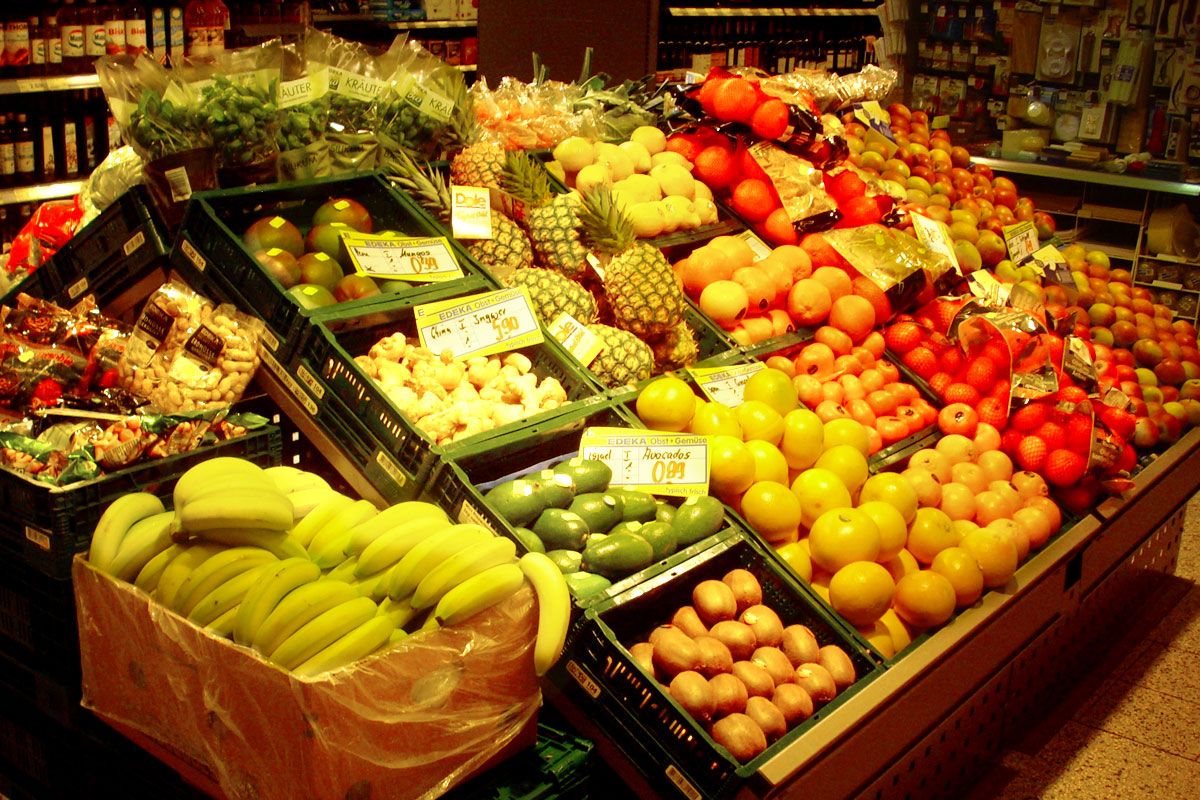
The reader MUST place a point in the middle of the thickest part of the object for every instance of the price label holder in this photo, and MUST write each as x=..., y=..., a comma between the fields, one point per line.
x=575, y=337
x=725, y=385
x=871, y=114
x=757, y=246
x=471, y=212
x=936, y=236
x=422, y=260
x=991, y=292
x=940, y=122
x=669, y=464
x=1021, y=240
x=479, y=325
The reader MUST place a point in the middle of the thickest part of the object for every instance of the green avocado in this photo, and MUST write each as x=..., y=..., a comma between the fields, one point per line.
x=556, y=489
x=664, y=512
x=560, y=529
x=586, y=584
x=661, y=536
x=567, y=561
x=518, y=502
x=639, y=506
x=529, y=540
x=589, y=474
x=617, y=555
x=599, y=510
x=698, y=518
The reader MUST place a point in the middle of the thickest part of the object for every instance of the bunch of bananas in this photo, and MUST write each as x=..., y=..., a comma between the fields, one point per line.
x=311, y=579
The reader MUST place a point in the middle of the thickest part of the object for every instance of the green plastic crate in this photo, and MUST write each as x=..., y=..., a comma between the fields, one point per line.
x=210, y=242
x=557, y=767
x=674, y=751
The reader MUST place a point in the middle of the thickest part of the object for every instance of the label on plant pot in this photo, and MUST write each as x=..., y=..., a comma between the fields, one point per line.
x=426, y=259
x=575, y=337
x=1021, y=240
x=725, y=385
x=480, y=324
x=471, y=212
x=936, y=236
x=671, y=464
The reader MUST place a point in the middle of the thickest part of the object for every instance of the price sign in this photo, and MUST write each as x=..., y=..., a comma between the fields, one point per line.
x=386, y=256
x=990, y=291
x=1053, y=265
x=871, y=114
x=725, y=385
x=576, y=338
x=471, y=212
x=936, y=236
x=674, y=464
x=479, y=325
x=757, y=246
x=939, y=122
x=1021, y=240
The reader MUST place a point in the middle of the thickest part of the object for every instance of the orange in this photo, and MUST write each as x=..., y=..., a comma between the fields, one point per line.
x=734, y=100
x=716, y=167
x=836, y=281
x=731, y=466
x=770, y=120
x=760, y=421
x=684, y=145
x=930, y=533
x=725, y=301
x=779, y=273
x=705, y=265
x=865, y=287
x=760, y=288
x=853, y=314
x=796, y=258
x=771, y=509
x=753, y=199
x=666, y=404
x=736, y=252
x=995, y=553
x=861, y=592
x=962, y=570
x=893, y=533
x=808, y=302
x=924, y=599
x=773, y=387
x=708, y=91
x=842, y=536
x=778, y=228
x=769, y=461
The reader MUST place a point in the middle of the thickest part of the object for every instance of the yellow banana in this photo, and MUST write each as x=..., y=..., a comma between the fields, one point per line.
x=248, y=508
x=259, y=602
x=181, y=568
x=121, y=515
x=398, y=635
x=477, y=594
x=306, y=528
x=225, y=484
x=147, y=577
x=215, y=571
x=289, y=480
x=459, y=567
x=353, y=646
x=328, y=545
x=391, y=546
x=390, y=518
x=344, y=571
x=305, y=500
x=146, y=539
x=228, y=596
x=430, y=552
x=197, y=477
x=400, y=612
x=299, y=607
x=222, y=625
x=554, y=608
x=322, y=631
x=280, y=543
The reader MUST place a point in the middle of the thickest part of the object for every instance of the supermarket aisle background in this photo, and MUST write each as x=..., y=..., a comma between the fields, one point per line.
x=1131, y=728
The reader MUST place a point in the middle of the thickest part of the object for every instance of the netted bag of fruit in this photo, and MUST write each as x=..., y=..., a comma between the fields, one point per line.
x=414, y=111
x=354, y=79
x=895, y=262
x=303, y=104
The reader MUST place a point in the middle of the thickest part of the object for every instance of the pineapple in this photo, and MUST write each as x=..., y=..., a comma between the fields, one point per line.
x=477, y=163
x=625, y=358
x=676, y=350
x=507, y=251
x=553, y=294
x=643, y=291
x=552, y=220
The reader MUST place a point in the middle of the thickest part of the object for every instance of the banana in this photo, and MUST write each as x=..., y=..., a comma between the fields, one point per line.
x=459, y=567
x=259, y=602
x=235, y=482
x=315, y=520
x=343, y=571
x=367, y=586
x=554, y=608
x=390, y=518
x=430, y=624
x=400, y=612
x=305, y=500
x=477, y=594
x=195, y=478
x=228, y=595
x=147, y=578
x=391, y=546
x=299, y=607
x=328, y=545
x=215, y=571
x=430, y=552
x=280, y=543
x=222, y=625
x=289, y=480
x=247, y=508
x=357, y=644
x=115, y=522
x=180, y=569
x=398, y=635
x=321, y=631
x=146, y=539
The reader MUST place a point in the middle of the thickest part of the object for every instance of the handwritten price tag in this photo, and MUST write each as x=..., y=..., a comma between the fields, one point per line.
x=471, y=212
x=479, y=325
x=576, y=338
x=425, y=260
x=674, y=464
x=1021, y=240
x=725, y=385
x=936, y=236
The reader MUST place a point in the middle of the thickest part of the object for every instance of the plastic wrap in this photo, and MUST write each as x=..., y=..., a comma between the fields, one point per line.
x=523, y=116
x=120, y=171
x=800, y=186
x=405, y=723
x=415, y=108
x=895, y=262
x=829, y=91
x=303, y=116
x=51, y=226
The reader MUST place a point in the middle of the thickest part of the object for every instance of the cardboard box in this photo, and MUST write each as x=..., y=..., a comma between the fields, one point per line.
x=406, y=723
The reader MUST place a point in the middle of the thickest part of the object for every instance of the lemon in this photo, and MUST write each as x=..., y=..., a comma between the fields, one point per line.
x=771, y=509
x=847, y=430
x=760, y=421
x=714, y=418
x=819, y=491
x=731, y=466
x=847, y=463
x=795, y=555
x=666, y=404
x=773, y=387
x=769, y=461
x=861, y=592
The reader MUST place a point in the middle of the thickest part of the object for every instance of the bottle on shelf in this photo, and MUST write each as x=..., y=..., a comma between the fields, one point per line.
x=53, y=36
x=37, y=46
x=136, y=42
x=71, y=34
x=95, y=33
x=205, y=23
x=85, y=127
x=68, y=146
x=8, y=153
x=26, y=172
x=47, y=169
x=114, y=28
x=16, y=44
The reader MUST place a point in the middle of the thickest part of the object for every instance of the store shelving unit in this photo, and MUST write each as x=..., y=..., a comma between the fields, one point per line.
x=734, y=11
x=40, y=192
x=50, y=83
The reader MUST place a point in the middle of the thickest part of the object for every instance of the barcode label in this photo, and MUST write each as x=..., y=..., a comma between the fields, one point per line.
x=193, y=255
x=268, y=337
x=181, y=187
x=135, y=241
x=77, y=288
x=310, y=380
x=390, y=468
x=583, y=679
x=38, y=536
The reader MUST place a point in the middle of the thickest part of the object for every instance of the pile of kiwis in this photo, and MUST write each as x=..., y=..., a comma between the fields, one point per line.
x=733, y=665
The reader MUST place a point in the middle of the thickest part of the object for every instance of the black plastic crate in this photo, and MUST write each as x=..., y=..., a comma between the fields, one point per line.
x=37, y=620
x=48, y=525
x=210, y=242
x=637, y=714
x=559, y=765
x=329, y=357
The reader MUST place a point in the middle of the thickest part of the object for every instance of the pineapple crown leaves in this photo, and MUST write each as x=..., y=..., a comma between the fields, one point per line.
x=526, y=179
x=463, y=130
x=426, y=184
x=604, y=227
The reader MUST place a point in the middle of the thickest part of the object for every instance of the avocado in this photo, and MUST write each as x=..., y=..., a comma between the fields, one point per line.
x=618, y=555
x=567, y=561
x=529, y=540
x=625, y=526
x=586, y=584
x=518, y=502
x=599, y=510
x=639, y=506
x=560, y=529
x=698, y=518
x=661, y=536
x=664, y=512
x=556, y=489
x=589, y=474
